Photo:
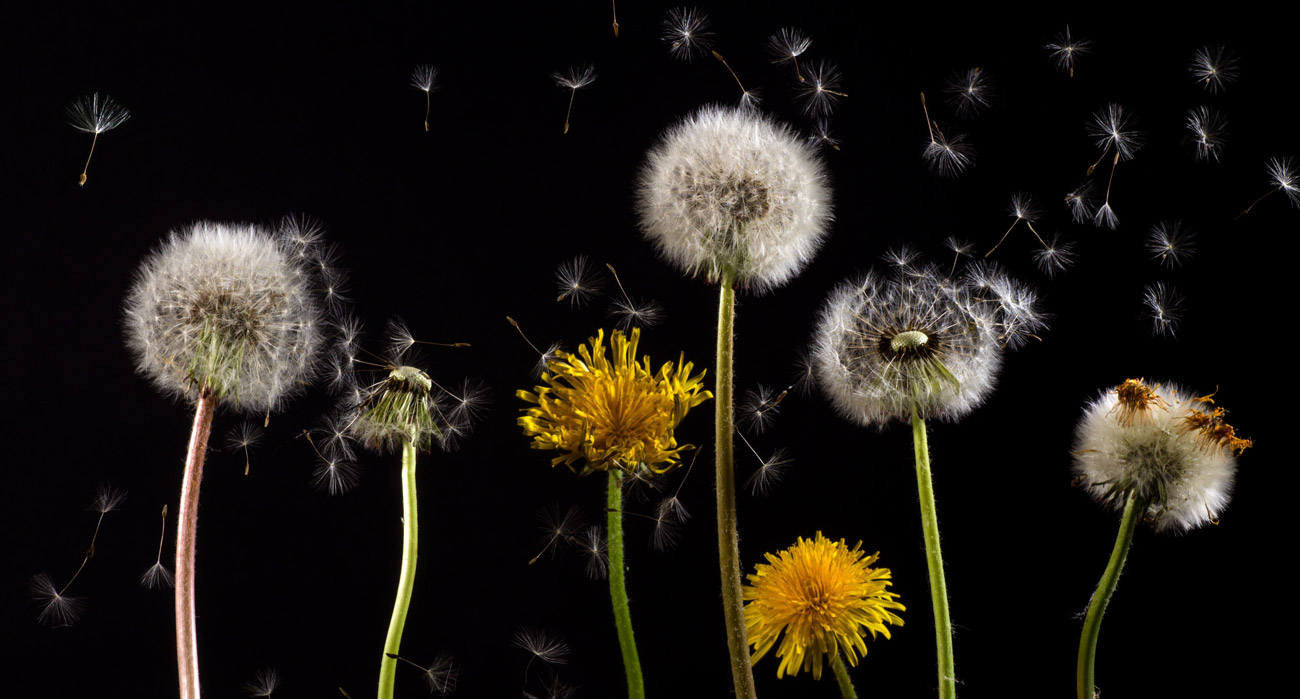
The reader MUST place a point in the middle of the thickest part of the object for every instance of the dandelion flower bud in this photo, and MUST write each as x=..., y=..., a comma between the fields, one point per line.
x=1163, y=444
x=917, y=338
x=226, y=309
x=728, y=192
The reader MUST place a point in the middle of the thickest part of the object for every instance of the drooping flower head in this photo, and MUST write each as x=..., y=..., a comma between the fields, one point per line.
x=228, y=309
x=824, y=597
x=612, y=412
x=728, y=191
x=1166, y=445
x=916, y=337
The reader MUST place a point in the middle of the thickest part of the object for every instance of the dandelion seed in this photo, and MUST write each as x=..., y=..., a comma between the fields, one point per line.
x=1214, y=67
x=1065, y=49
x=57, y=609
x=264, y=683
x=1113, y=130
x=1054, y=256
x=819, y=598
x=1164, y=308
x=947, y=156
x=759, y=406
x=574, y=79
x=1207, y=129
x=749, y=99
x=633, y=314
x=95, y=114
x=1170, y=243
x=1281, y=171
x=970, y=92
x=246, y=435
x=577, y=281
x=107, y=499
x=614, y=6
x=787, y=45
x=669, y=515
x=592, y=545
x=334, y=472
x=543, y=646
x=821, y=91
x=821, y=135
x=440, y=677
x=768, y=474
x=1023, y=209
x=1081, y=202
x=423, y=78
x=158, y=576
x=560, y=528
x=687, y=32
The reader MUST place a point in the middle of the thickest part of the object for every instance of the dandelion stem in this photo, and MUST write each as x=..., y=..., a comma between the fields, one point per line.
x=934, y=560
x=618, y=587
x=842, y=676
x=742, y=671
x=1097, y=607
x=406, y=579
x=187, y=650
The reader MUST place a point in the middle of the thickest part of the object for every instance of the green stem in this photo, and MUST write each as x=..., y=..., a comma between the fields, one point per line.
x=618, y=587
x=733, y=609
x=1092, y=624
x=842, y=677
x=406, y=580
x=187, y=523
x=934, y=560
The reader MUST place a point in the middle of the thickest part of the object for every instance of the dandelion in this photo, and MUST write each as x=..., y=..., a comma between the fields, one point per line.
x=95, y=114
x=612, y=414
x=1170, y=243
x=970, y=92
x=57, y=608
x=247, y=435
x=1214, y=67
x=639, y=313
x=819, y=598
x=540, y=645
x=440, y=676
x=158, y=576
x=1022, y=209
x=1160, y=455
x=1080, y=202
x=821, y=91
x=741, y=200
x=769, y=471
x=1281, y=171
x=544, y=356
x=264, y=683
x=759, y=406
x=787, y=45
x=1055, y=256
x=574, y=79
x=1164, y=307
x=423, y=78
x=576, y=281
x=560, y=529
x=1113, y=129
x=222, y=314
x=1207, y=128
x=1064, y=50
x=687, y=32
x=915, y=345
x=821, y=135
x=947, y=156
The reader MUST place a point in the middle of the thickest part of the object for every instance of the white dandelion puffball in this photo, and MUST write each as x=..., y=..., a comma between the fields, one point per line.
x=1169, y=449
x=227, y=309
x=729, y=192
x=914, y=337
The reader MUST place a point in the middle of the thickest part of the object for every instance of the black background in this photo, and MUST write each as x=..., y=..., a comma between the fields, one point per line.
x=250, y=115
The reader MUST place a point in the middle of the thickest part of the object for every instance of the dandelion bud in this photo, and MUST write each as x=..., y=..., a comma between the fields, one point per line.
x=1161, y=444
x=228, y=310
x=729, y=193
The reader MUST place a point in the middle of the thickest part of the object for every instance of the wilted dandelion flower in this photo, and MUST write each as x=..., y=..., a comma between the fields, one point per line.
x=819, y=598
x=612, y=412
x=95, y=114
x=731, y=195
x=225, y=310
x=1214, y=67
x=886, y=343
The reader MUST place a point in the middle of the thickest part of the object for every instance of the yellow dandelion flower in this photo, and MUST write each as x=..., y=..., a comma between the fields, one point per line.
x=612, y=412
x=823, y=595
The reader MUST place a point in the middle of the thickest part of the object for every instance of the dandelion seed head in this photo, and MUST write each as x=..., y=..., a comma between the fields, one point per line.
x=1214, y=67
x=1177, y=458
x=227, y=309
x=96, y=113
x=819, y=598
x=686, y=30
x=729, y=192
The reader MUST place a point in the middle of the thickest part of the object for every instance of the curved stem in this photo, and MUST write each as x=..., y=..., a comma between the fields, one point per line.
x=934, y=560
x=187, y=522
x=618, y=587
x=1092, y=624
x=733, y=610
x=842, y=677
x=406, y=580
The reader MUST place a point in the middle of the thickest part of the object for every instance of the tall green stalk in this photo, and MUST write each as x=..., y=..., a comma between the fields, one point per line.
x=733, y=605
x=618, y=587
x=405, y=581
x=842, y=676
x=1086, y=684
x=934, y=560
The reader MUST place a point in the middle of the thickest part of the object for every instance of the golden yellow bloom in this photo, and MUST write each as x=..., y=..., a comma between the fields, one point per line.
x=612, y=413
x=823, y=596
